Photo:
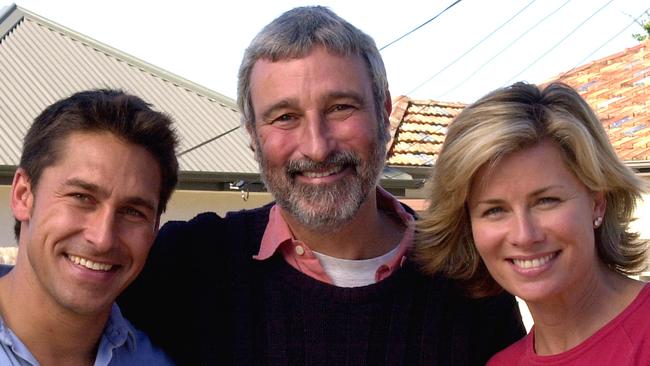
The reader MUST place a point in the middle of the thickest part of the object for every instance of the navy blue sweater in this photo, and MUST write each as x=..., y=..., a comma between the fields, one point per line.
x=205, y=301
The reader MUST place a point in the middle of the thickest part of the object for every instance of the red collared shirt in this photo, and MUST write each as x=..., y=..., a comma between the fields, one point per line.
x=278, y=237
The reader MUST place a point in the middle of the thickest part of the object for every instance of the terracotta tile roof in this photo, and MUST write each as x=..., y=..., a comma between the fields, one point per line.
x=618, y=89
x=418, y=128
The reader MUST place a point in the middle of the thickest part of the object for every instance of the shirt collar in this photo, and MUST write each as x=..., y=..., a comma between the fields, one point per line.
x=116, y=332
x=119, y=331
x=277, y=231
x=11, y=341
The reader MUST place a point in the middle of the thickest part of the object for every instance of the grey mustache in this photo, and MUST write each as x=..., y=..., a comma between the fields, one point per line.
x=337, y=159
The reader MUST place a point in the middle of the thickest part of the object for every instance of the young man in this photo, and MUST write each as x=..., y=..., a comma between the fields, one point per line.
x=320, y=277
x=95, y=174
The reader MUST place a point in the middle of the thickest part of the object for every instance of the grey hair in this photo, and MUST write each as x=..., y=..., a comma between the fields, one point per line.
x=295, y=34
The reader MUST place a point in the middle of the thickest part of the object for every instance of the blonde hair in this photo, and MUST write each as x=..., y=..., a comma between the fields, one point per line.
x=508, y=120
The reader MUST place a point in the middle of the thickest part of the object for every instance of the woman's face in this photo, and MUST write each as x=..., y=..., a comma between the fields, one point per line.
x=533, y=224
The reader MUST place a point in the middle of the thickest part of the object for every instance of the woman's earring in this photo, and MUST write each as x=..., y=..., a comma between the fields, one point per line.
x=598, y=221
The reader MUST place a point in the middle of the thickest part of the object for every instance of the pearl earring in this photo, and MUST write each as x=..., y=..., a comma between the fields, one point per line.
x=598, y=221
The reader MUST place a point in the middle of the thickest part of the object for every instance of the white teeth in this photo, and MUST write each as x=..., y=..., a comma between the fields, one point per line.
x=533, y=263
x=95, y=266
x=325, y=173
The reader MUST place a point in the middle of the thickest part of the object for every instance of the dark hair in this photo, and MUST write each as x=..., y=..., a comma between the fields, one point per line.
x=103, y=110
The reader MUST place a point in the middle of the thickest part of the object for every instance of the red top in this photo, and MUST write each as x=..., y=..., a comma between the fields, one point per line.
x=624, y=341
x=278, y=236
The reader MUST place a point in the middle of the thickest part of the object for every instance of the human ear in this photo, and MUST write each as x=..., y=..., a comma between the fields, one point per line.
x=252, y=137
x=388, y=107
x=600, y=205
x=22, y=197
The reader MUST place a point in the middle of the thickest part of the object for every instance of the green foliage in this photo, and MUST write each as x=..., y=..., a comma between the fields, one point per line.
x=645, y=24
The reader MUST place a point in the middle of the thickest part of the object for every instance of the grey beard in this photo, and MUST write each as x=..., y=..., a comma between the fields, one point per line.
x=324, y=207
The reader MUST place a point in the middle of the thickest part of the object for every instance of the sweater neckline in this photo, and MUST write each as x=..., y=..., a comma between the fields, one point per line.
x=288, y=275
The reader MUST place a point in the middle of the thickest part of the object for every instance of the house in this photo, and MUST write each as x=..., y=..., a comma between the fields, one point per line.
x=418, y=129
x=617, y=87
x=41, y=62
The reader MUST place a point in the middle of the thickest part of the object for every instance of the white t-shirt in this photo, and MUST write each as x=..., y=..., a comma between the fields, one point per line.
x=353, y=272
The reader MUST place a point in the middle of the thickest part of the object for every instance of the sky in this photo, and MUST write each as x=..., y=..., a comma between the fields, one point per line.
x=469, y=50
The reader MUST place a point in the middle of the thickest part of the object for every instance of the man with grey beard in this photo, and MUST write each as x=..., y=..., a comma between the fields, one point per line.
x=321, y=276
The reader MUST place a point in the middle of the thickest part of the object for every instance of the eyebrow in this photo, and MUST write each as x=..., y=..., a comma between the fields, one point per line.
x=85, y=185
x=91, y=187
x=537, y=192
x=284, y=103
x=347, y=94
x=290, y=102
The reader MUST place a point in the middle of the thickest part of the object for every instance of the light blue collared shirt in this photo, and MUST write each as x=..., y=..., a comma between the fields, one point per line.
x=120, y=344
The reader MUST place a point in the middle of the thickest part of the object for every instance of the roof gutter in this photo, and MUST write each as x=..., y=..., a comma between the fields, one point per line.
x=213, y=181
x=641, y=167
x=6, y=26
x=7, y=174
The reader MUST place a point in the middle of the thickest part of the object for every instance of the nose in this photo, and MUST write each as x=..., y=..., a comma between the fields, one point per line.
x=100, y=230
x=525, y=230
x=316, y=137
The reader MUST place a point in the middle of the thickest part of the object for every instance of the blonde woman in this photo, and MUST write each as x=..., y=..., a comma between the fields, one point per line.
x=528, y=196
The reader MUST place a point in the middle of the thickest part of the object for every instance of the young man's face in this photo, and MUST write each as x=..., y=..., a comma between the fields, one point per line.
x=88, y=225
x=317, y=135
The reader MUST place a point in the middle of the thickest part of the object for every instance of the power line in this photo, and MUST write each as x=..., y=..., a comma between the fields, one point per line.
x=461, y=56
x=421, y=25
x=470, y=49
x=603, y=45
x=207, y=141
x=502, y=50
x=586, y=57
x=558, y=43
x=381, y=49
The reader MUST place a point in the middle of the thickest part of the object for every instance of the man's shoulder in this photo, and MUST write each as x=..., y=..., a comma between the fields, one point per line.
x=453, y=293
x=204, y=219
x=207, y=220
x=209, y=234
x=135, y=347
x=261, y=212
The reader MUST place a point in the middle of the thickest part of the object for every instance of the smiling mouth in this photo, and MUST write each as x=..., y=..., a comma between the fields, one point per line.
x=534, y=263
x=87, y=263
x=324, y=173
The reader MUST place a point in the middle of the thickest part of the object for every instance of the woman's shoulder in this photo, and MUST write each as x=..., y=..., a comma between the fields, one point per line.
x=512, y=355
x=635, y=317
